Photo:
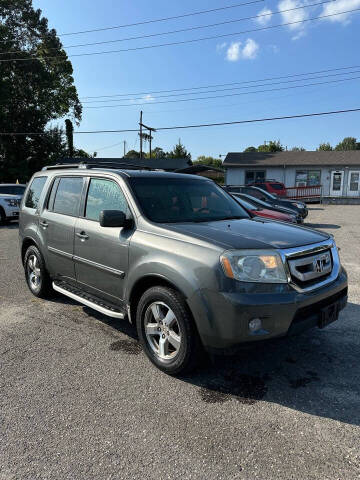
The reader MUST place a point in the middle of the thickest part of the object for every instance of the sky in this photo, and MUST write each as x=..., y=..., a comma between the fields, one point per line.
x=234, y=57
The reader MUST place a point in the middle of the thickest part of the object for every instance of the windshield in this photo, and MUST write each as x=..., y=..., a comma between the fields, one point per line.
x=261, y=203
x=246, y=203
x=175, y=200
x=12, y=189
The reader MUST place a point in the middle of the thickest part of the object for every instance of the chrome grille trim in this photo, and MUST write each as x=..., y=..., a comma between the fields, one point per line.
x=292, y=253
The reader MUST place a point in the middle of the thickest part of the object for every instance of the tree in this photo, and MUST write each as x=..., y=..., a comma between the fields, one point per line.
x=132, y=154
x=324, y=147
x=349, y=143
x=210, y=161
x=33, y=91
x=272, y=146
x=250, y=149
x=70, y=136
x=298, y=149
x=157, y=152
x=179, y=151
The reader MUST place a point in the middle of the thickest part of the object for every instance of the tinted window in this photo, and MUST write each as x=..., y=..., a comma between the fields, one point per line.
x=68, y=193
x=277, y=186
x=104, y=195
x=12, y=189
x=176, y=200
x=33, y=195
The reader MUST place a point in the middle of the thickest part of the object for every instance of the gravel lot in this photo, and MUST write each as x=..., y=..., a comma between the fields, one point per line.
x=79, y=400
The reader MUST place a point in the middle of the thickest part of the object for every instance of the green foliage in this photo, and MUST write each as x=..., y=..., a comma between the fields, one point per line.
x=179, y=151
x=298, y=149
x=132, y=154
x=250, y=149
x=349, y=143
x=324, y=147
x=272, y=146
x=157, y=152
x=70, y=136
x=33, y=92
x=211, y=161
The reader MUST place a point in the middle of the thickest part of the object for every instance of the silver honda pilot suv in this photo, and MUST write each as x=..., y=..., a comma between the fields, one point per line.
x=178, y=257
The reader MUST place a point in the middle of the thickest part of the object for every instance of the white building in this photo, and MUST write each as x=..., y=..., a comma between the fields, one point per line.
x=337, y=171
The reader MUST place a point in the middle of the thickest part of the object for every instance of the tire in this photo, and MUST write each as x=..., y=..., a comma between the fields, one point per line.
x=167, y=331
x=36, y=275
x=2, y=217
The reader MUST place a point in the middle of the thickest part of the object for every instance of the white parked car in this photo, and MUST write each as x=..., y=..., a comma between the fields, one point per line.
x=10, y=199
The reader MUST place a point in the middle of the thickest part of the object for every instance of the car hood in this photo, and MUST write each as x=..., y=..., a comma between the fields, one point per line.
x=8, y=195
x=250, y=233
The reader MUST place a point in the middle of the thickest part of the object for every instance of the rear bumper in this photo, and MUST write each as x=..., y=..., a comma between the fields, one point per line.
x=223, y=318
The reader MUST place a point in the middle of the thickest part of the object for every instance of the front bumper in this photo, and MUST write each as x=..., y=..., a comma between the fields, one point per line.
x=223, y=318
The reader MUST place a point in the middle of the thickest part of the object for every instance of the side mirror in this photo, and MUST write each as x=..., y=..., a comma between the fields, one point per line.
x=112, y=218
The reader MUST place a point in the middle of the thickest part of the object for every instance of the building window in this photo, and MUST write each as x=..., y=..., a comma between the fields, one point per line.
x=254, y=176
x=308, y=178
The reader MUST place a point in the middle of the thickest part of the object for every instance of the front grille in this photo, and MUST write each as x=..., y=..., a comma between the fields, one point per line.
x=309, y=269
x=315, y=309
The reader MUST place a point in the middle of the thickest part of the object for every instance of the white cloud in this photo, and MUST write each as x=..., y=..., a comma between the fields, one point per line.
x=266, y=16
x=237, y=50
x=233, y=52
x=148, y=98
x=295, y=15
x=251, y=48
x=274, y=48
x=220, y=46
x=340, y=6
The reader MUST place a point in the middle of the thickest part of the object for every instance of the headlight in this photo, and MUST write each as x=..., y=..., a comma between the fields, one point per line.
x=12, y=202
x=262, y=266
x=298, y=205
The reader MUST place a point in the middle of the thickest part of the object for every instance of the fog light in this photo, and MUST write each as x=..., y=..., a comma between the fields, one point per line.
x=255, y=324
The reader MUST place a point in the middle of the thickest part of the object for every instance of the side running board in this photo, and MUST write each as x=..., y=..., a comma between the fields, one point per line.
x=87, y=300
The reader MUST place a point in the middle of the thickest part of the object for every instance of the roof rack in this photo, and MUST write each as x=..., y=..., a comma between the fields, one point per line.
x=92, y=164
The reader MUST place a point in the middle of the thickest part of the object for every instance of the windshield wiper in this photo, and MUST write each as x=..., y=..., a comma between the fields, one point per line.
x=233, y=217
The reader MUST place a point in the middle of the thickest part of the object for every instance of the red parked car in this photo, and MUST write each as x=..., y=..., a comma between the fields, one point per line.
x=271, y=186
x=264, y=212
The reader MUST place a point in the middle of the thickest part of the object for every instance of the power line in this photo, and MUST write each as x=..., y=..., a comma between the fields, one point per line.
x=223, y=84
x=202, y=125
x=188, y=29
x=232, y=88
x=183, y=42
x=184, y=15
x=222, y=96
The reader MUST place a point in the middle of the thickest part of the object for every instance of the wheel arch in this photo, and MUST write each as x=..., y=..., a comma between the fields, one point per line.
x=143, y=284
x=26, y=243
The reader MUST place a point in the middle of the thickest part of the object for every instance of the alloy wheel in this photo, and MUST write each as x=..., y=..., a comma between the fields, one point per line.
x=162, y=330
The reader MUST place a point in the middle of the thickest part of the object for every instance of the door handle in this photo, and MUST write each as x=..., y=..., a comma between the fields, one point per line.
x=44, y=224
x=82, y=235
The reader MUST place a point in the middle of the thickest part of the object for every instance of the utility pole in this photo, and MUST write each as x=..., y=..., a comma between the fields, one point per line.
x=141, y=139
x=124, y=148
x=148, y=136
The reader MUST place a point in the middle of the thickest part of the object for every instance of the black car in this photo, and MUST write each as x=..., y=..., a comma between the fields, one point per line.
x=269, y=206
x=294, y=205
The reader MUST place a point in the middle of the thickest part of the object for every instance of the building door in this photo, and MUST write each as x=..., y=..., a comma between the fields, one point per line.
x=354, y=183
x=337, y=183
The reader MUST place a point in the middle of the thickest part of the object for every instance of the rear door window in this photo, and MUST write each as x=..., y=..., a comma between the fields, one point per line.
x=68, y=195
x=34, y=192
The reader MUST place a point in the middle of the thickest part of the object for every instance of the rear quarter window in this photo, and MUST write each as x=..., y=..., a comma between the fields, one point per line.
x=34, y=192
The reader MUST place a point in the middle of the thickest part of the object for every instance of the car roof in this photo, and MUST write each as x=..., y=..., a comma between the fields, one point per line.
x=12, y=185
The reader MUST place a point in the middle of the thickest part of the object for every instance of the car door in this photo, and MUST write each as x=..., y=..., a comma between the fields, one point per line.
x=101, y=253
x=57, y=225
